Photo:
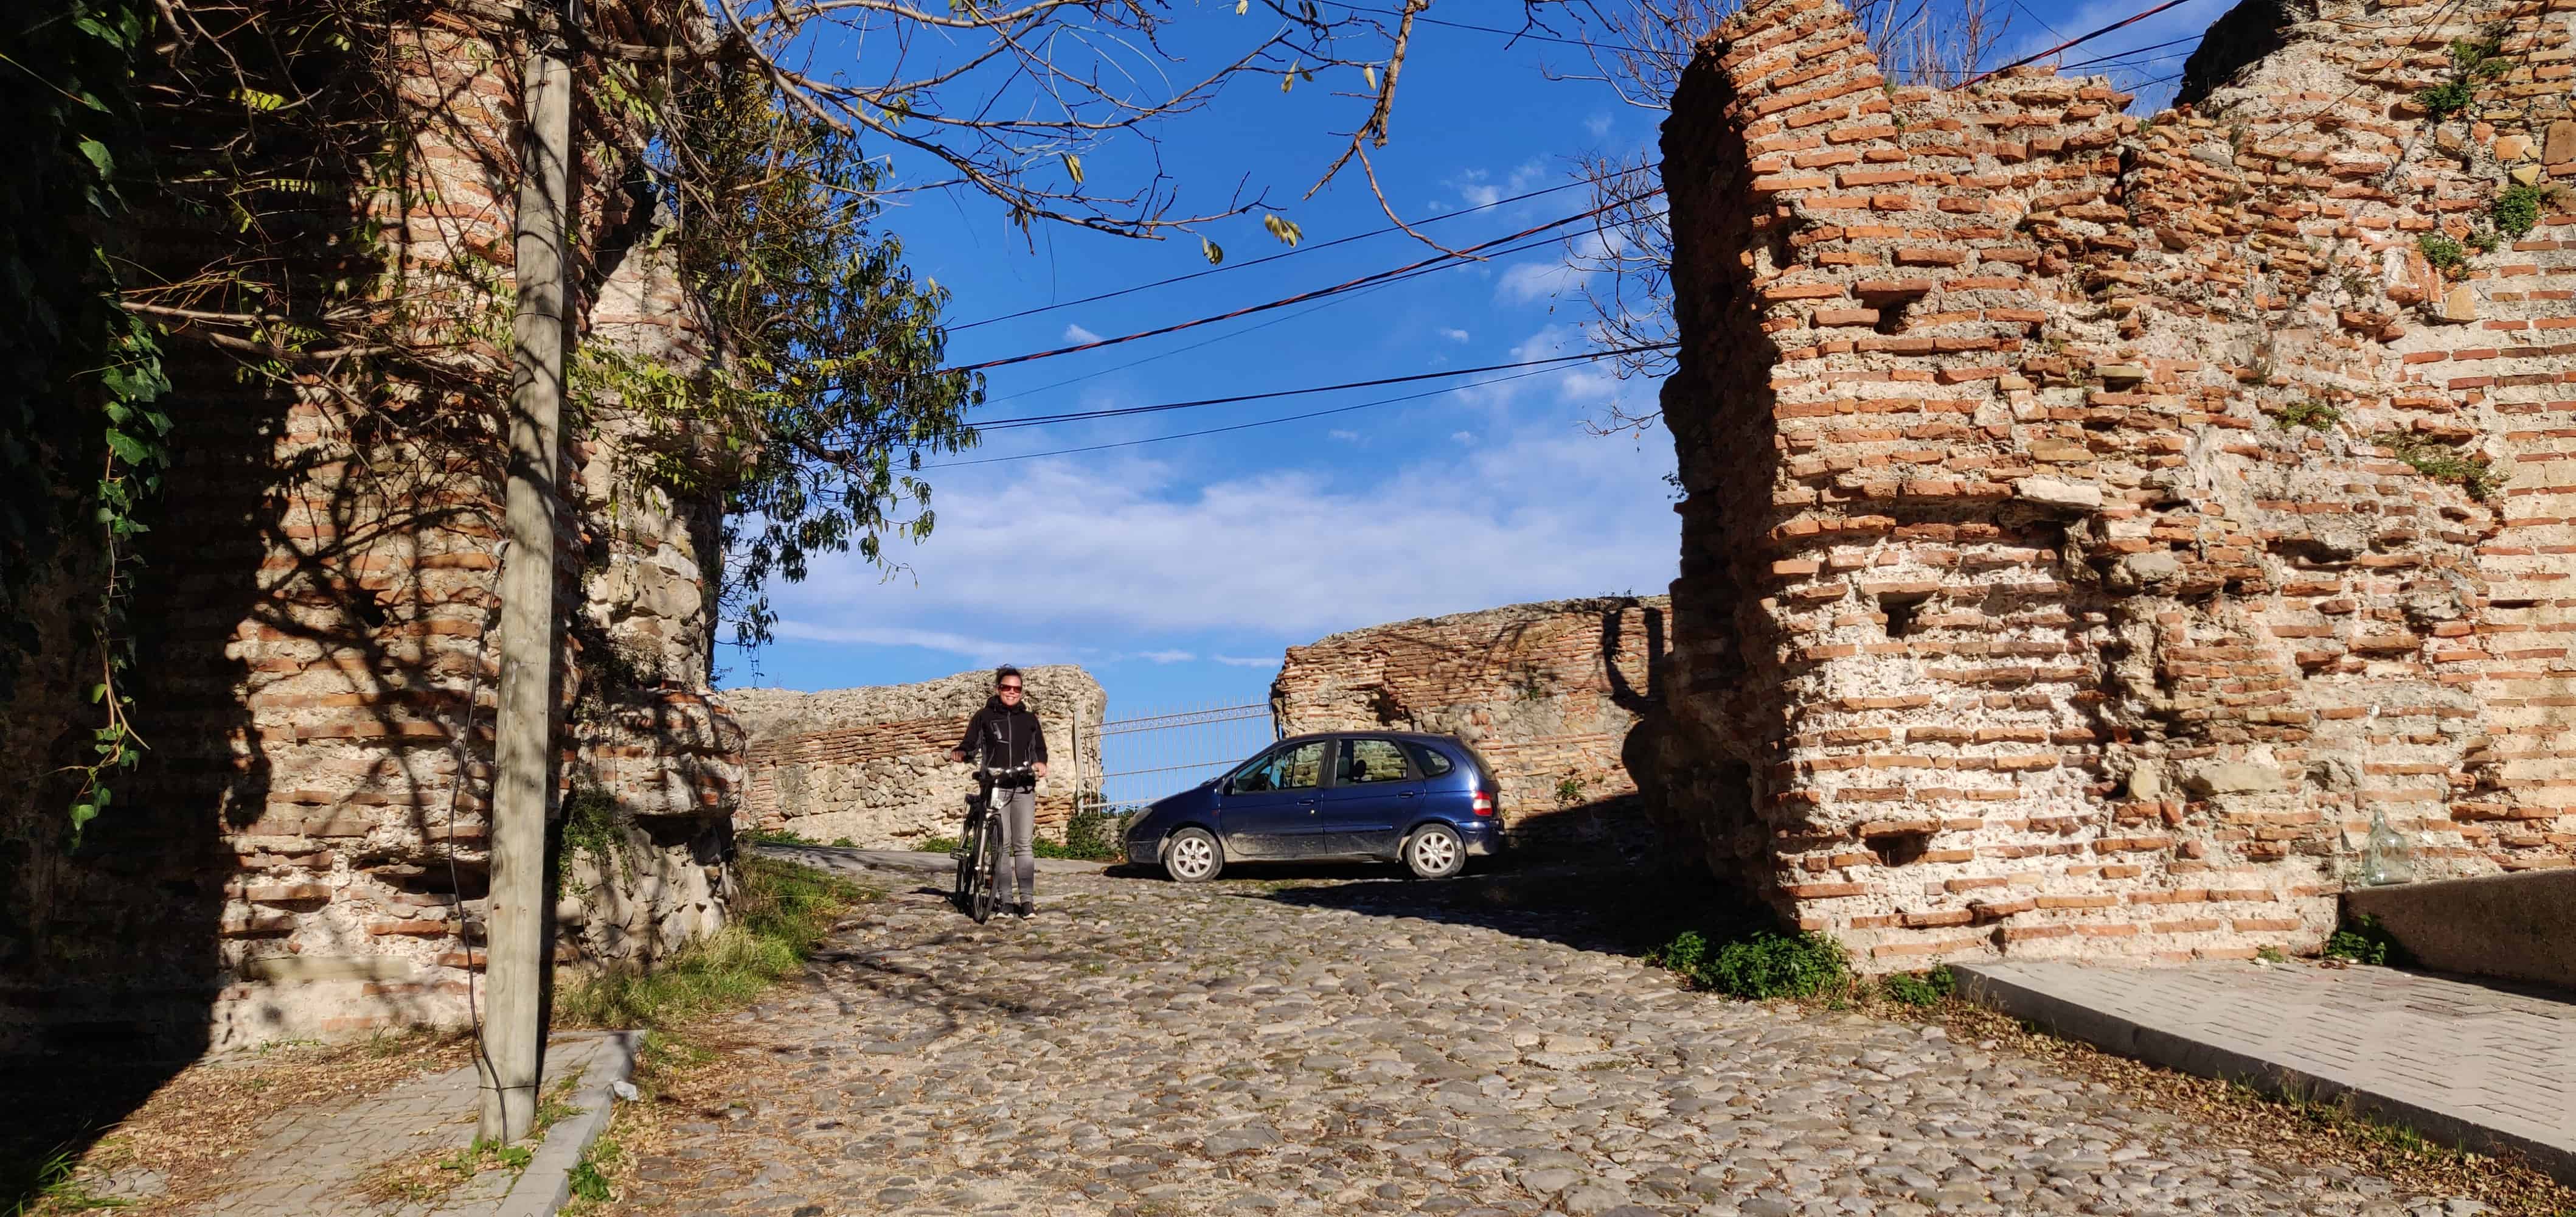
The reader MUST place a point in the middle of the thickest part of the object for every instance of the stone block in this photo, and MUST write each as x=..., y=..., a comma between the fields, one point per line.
x=2059, y=493
x=307, y=969
x=2212, y=778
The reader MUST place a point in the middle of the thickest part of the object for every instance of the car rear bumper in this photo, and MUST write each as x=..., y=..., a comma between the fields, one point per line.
x=1483, y=838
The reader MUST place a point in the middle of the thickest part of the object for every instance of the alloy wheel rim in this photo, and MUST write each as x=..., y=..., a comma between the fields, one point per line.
x=1435, y=851
x=1191, y=857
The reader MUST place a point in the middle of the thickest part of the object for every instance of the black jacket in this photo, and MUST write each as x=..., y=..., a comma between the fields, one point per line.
x=1006, y=735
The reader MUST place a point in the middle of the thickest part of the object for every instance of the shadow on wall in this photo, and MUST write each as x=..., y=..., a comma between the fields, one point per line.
x=308, y=610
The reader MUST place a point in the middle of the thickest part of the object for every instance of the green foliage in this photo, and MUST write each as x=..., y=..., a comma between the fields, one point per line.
x=593, y=823
x=2472, y=64
x=2446, y=255
x=833, y=386
x=2517, y=210
x=1092, y=835
x=2470, y=472
x=2364, y=940
x=1759, y=966
x=937, y=845
x=2482, y=239
x=82, y=441
x=1929, y=989
x=777, y=836
x=587, y=1183
x=781, y=914
x=2313, y=415
x=1569, y=792
x=2271, y=954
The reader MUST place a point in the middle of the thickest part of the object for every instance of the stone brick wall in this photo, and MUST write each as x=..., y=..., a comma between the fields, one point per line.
x=871, y=765
x=1552, y=693
x=2018, y=612
x=304, y=851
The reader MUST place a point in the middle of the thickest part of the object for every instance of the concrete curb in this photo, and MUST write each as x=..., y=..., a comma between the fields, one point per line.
x=2174, y=1050
x=546, y=1186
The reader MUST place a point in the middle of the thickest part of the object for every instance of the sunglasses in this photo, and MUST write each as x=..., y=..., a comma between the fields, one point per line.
x=1010, y=688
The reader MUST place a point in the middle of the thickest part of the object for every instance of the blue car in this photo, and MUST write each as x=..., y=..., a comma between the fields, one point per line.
x=1427, y=801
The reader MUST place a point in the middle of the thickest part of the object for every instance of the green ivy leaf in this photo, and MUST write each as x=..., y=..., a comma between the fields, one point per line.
x=99, y=156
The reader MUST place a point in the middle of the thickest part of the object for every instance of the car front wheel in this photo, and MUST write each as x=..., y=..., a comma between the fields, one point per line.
x=1193, y=856
x=1434, y=852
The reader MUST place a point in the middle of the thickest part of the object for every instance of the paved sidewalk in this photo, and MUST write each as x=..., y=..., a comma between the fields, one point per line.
x=312, y=1162
x=2474, y=1066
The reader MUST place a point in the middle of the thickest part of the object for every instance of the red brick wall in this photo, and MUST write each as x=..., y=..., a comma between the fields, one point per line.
x=2011, y=617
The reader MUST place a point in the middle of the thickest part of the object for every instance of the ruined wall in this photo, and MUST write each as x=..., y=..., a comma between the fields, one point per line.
x=1551, y=693
x=2088, y=524
x=871, y=765
x=303, y=853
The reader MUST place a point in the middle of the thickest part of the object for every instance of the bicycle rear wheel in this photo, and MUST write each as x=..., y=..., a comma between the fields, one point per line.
x=988, y=894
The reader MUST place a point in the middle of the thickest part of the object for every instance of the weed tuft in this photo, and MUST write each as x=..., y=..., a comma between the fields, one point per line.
x=2472, y=473
x=1760, y=966
x=2313, y=415
x=783, y=912
x=2365, y=940
x=1929, y=989
x=2446, y=255
x=2517, y=210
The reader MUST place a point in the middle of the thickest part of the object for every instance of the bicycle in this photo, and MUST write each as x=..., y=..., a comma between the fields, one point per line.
x=979, y=854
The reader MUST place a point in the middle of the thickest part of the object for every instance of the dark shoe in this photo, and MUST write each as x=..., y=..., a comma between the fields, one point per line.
x=1025, y=909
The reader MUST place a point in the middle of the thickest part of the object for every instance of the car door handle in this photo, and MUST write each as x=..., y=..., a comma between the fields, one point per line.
x=1406, y=794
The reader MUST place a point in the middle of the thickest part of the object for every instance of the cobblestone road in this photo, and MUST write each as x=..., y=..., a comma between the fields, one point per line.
x=1144, y=1048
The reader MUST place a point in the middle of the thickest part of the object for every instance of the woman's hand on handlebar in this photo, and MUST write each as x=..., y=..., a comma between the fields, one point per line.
x=1038, y=768
x=957, y=755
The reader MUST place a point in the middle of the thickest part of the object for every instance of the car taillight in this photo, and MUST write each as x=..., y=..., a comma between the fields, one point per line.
x=1484, y=803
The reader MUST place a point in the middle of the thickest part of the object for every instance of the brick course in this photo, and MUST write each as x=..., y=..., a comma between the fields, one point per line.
x=2013, y=617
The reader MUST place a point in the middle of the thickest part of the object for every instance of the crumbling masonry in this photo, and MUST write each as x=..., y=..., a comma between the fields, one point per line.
x=304, y=853
x=2093, y=521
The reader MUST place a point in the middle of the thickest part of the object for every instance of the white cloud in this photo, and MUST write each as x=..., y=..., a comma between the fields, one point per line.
x=1245, y=661
x=1167, y=656
x=1598, y=125
x=981, y=650
x=1075, y=333
x=1533, y=510
x=1453, y=335
x=1526, y=282
x=1480, y=188
x=1348, y=437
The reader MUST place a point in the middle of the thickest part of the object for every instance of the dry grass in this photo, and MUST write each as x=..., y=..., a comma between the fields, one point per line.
x=2232, y=1116
x=194, y=1126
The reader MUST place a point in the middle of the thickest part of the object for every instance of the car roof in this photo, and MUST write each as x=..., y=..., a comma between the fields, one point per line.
x=1416, y=736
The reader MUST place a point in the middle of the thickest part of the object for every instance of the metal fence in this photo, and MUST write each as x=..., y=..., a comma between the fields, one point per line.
x=1149, y=756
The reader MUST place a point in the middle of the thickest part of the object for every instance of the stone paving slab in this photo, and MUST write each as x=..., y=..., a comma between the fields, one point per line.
x=312, y=1161
x=2478, y=1067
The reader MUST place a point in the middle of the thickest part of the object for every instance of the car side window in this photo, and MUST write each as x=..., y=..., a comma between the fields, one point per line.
x=1433, y=764
x=1297, y=768
x=1372, y=760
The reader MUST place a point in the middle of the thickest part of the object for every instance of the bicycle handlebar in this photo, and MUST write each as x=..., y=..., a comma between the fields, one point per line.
x=995, y=777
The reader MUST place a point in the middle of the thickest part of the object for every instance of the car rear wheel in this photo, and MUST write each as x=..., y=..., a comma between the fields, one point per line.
x=1434, y=852
x=1193, y=856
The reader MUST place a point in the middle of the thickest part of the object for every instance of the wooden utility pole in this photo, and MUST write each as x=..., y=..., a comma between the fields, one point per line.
x=524, y=754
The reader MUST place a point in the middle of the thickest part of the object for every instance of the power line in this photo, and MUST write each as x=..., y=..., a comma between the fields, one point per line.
x=1440, y=261
x=2131, y=51
x=1039, y=420
x=2122, y=23
x=1218, y=270
x=1266, y=422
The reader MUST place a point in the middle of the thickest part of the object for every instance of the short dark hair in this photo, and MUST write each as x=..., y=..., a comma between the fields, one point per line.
x=1007, y=670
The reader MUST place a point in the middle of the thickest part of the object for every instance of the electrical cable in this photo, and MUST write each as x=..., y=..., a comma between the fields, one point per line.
x=1266, y=422
x=1307, y=249
x=1440, y=261
x=2122, y=23
x=1040, y=420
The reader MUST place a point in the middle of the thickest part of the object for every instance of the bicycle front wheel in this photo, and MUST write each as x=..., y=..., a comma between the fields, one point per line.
x=988, y=895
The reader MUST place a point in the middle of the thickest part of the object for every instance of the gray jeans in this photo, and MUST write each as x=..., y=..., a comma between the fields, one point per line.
x=1018, y=810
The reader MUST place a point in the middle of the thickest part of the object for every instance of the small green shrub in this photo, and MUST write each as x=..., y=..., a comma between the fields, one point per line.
x=2365, y=940
x=782, y=836
x=2472, y=63
x=2472, y=473
x=1760, y=966
x=2517, y=210
x=2270, y=954
x=2313, y=415
x=1091, y=836
x=936, y=845
x=1929, y=989
x=782, y=912
x=2484, y=240
x=2446, y=255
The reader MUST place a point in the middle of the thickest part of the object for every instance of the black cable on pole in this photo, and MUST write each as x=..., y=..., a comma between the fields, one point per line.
x=1305, y=249
x=1040, y=420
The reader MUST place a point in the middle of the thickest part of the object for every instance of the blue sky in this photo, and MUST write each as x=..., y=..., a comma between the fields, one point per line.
x=1178, y=571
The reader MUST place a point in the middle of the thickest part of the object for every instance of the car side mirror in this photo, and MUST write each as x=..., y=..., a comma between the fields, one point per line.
x=1225, y=785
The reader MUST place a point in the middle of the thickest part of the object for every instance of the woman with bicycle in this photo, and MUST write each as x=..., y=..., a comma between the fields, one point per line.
x=1005, y=736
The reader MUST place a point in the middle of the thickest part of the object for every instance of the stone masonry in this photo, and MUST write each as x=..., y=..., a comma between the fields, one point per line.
x=2093, y=522
x=871, y=765
x=304, y=852
x=1552, y=693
